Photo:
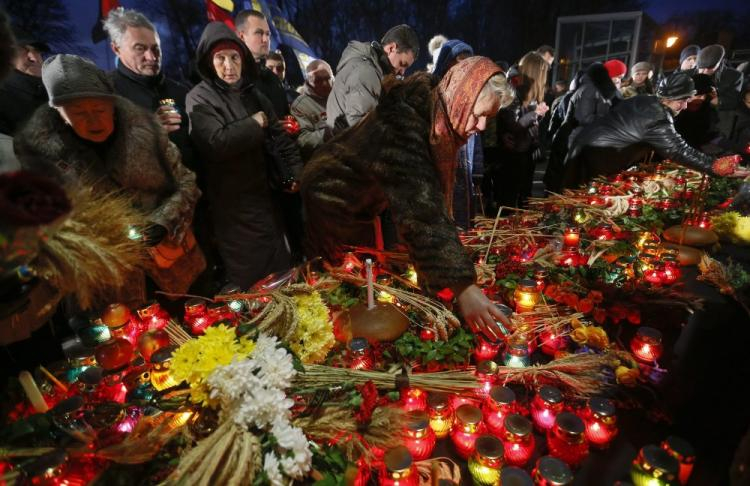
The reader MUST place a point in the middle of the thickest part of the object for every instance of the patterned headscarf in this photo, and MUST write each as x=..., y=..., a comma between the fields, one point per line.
x=454, y=100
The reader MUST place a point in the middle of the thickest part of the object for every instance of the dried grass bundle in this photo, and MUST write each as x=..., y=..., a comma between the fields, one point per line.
x=90, y=254
x=177, y=335
x=433, y=470
x=578, y=375
x=337, y=425
x=230, y=456
x=147, y=438
x=327, y=377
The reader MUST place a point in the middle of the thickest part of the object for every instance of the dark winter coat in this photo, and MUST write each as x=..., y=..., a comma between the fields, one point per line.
x=138, y=158
x=358, y=76
x=249, y=234
x=641, y=121
x=146, y=92
x=592, y=100
x=20, y=95
x=698, y=123
x=270, y=85
x=386, y=162
x=741, y=134
x=728, y=86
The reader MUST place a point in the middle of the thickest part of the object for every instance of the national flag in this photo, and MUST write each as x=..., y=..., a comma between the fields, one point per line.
x=97, y=33
x=282, y=31
x=220, y=11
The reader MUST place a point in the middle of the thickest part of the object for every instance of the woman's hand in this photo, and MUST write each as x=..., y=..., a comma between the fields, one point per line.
x=261, y=118
x=542, y=109
x=480, y=313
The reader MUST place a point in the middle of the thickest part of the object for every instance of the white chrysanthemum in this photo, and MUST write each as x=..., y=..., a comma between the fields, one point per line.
x=298, y=464
x=271, y=467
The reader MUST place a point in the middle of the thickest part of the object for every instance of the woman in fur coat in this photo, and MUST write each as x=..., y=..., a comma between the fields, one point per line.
x=403, y=157
x=87, y=135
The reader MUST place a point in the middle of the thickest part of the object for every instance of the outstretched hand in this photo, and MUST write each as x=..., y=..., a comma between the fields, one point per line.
x=480, y=313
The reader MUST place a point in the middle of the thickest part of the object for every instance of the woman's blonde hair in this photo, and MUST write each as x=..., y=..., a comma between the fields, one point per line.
x=499, y=87
x=535, y=68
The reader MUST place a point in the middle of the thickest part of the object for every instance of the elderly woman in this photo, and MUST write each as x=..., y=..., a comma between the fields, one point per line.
x=88, y=135
x=403, y=156
x=235, y=130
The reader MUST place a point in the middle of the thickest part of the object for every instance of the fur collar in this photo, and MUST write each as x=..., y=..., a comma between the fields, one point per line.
x=599, y=77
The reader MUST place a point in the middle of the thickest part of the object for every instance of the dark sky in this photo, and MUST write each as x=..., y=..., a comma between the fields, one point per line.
x=84, y=14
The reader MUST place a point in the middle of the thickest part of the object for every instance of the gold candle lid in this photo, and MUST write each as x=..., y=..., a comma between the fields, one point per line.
x=515, y=476
x=553, y=471
x=502, y=395
x=658, y=462
x=438, y=401
x=194, y=305
x=517, y=425
x=550, y=394
x=527, y=285
x=569, y=425
x=489, y=447
x=649, y=335
x=148, y=309
x=469, y=414
x=602, y=407
x=397, y=460
x=487, y=367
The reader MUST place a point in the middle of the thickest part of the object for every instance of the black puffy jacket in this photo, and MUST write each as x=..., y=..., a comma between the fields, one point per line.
x=638, y=120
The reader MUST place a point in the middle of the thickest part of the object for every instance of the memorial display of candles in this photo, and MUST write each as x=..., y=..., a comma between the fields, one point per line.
x=441, y=414
x=467, y=428
x=500, y=402
x=517, y=356
x=571, y=238
x=551, y=471
x=518, y=440
x=486, y=461
x=566, y=439
x=646, y=345
x=547, y=403
x=526, y=296
x=398, y=468
x=420, y=439
x=681, y=450
x=653, y=466
x=601, y=421
x=485, y=350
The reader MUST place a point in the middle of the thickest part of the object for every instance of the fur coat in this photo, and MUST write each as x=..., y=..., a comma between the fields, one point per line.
x=386, y=162
x=138, y=158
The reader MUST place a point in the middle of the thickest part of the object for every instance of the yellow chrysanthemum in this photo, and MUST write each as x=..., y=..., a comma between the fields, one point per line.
x=313, y=338
x=198, y=358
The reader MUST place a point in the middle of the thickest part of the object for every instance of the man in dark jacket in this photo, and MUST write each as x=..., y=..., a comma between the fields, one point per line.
x=631, y=131
x=728, y=83
x=310, y=107
x=21, y=93
x=362, y=68
x=252, y=27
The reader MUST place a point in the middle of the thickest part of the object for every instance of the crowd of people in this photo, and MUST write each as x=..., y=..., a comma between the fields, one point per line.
x=265, y=175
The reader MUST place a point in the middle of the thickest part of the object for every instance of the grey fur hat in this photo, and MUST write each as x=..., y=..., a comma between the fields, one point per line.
x=710, y=56
x=641, y=66
x=68, y=77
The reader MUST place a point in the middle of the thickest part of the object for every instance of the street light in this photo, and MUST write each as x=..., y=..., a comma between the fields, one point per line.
x=672, y=40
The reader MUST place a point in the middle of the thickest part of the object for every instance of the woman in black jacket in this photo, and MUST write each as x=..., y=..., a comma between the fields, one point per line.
x=235, y=128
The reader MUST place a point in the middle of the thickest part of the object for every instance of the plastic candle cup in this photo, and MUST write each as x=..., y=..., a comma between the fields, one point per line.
x=518, y=440
x=485, y=350
x=420, y=438
x=360, y=357
x=566, y=439
x=551, y=471
x=571, y=238
x=413, y=399
x=196, y=316
x=646, y=345
x=467, y=428
x=398, y=468
x=441, y=414
x=517, y=356
x=485, y=373
x=653, y=466
x=601, y=421
x=526, y=296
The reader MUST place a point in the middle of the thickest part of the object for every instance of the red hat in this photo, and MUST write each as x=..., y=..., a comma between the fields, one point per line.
x=225, y=44
x=615, y=68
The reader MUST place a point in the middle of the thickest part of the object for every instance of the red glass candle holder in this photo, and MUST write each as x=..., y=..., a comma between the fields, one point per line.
x=467, y=428
x=551, y=341
x=551, y=471
x=398, y=468
x=500, y=402
x=486, y=375
x=419, y=437
x=153, y=317
x=413, y=399
x=456, y=400
x=114, y=354
x=671, y=271
x=121, y=322
x=681, y=450
x=635, y=207
x=441, y=414
x=220, y=311
x=517, y=356
x=359, y=354
x=152, y=341
x=600, y=419
x=485, y=350
x=646, y=345
x=603, y=232
x=196, y=316
x=545, y=406
x=566, y=439
x=518, y=440
x=653, y=466
x=526, y=296
x=540, y=276
x=571, y=238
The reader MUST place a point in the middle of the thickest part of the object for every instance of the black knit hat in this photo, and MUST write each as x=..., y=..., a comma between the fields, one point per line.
x=691, y=50
x=677, y=86
x=710, y=56
x=68, y=77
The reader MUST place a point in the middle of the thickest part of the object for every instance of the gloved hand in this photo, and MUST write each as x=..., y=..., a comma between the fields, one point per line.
x=154, y=234
x=340, y=124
